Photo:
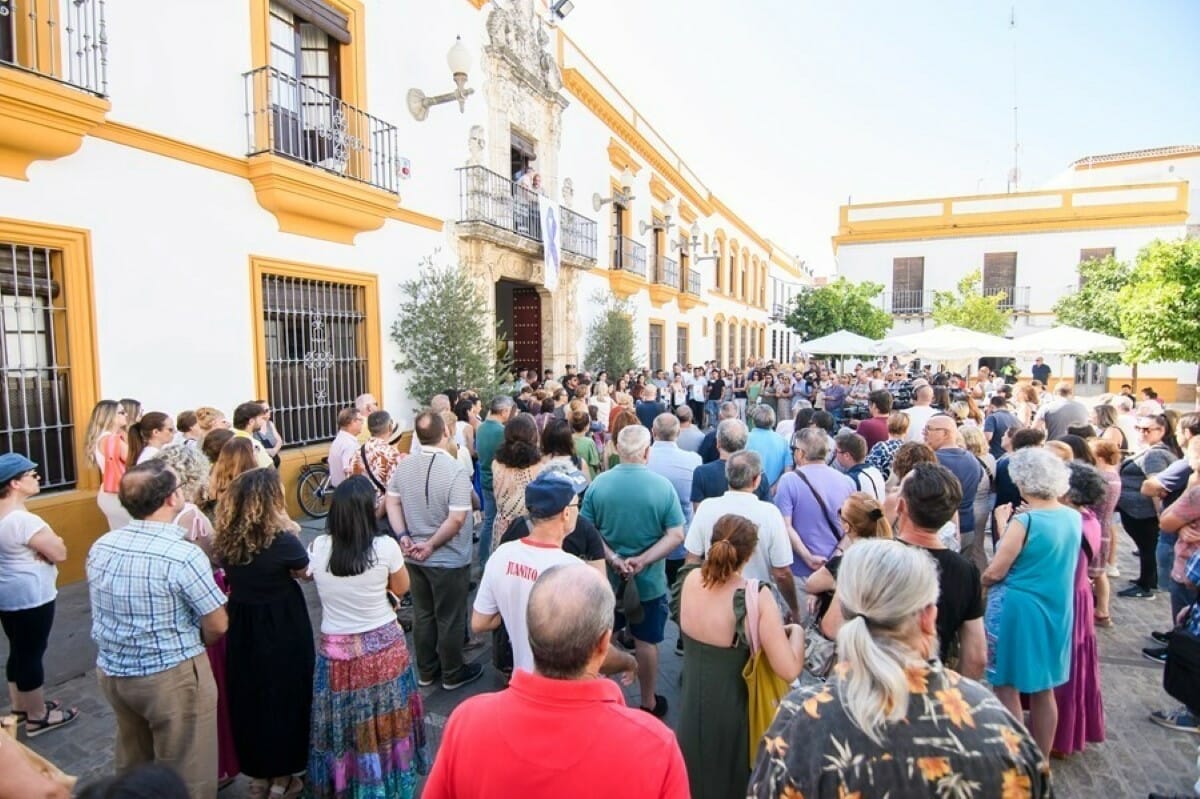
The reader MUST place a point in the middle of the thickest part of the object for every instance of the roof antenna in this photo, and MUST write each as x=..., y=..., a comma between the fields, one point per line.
x=1014, y=175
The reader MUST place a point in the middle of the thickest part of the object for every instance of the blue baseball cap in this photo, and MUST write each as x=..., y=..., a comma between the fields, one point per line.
x=553, y=490
x=13, y=465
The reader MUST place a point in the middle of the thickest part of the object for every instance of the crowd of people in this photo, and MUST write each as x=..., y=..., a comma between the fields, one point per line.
x=830, y=531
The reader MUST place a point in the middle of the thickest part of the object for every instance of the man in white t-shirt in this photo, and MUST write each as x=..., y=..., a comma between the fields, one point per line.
x=920, y=412
x=552, y=501
x=772, y=558
x=345, y=444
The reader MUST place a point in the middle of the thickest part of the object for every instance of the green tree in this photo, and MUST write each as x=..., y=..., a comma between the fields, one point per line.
x=443, y=336
x=1160, y=306
x=968, y=307
x=1096, y=305
x=841, y=305
x=610, y=340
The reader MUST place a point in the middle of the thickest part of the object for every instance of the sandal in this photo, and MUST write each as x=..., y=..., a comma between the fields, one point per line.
x=292, y=789
x=258, y=789
x=1104, y=621
x=35, y=727
x=49, y=703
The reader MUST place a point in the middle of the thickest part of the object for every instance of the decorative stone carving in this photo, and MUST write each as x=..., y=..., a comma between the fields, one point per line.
x=476, y=145
x=568, y=193
x=519, y=35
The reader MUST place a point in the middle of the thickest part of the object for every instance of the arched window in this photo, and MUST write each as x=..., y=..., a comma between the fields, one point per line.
x=717, y=340
x=731, y=282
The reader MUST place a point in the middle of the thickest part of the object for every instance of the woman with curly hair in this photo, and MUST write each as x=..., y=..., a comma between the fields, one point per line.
x=269, y=647
x=237, y=456
x=518, y=460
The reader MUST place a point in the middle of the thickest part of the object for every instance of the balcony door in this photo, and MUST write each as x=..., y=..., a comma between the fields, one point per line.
x=1000, y=276
x=908, y=285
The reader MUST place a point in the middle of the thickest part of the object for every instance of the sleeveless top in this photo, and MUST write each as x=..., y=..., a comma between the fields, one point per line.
x=111, y=462
x=197, y=529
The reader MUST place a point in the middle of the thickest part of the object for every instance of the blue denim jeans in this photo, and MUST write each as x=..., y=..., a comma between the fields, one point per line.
x=485, y=530
x=711, y=409
x=1164, y=554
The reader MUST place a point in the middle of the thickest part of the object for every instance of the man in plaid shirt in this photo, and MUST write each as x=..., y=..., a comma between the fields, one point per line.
x=154, y=608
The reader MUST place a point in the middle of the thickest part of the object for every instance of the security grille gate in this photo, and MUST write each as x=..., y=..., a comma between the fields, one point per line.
x=35, y=414
x=316, y=354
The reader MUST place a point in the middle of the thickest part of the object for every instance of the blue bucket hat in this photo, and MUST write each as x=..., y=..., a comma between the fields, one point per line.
x=13, y=465
x=553, y=490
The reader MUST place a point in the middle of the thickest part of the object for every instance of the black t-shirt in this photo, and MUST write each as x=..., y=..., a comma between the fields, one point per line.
x=960, y=598
x=583, y=542
x=268, y=576
x=716, y=388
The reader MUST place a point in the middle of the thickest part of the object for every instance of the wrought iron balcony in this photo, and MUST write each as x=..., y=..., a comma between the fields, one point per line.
x=908, y=303
x=288, y=117
x=693, y=282
x=778, y=312
x=629, y=256
x=666, y=272
x=487, y=197
x=57, y=37
x=1016, y=298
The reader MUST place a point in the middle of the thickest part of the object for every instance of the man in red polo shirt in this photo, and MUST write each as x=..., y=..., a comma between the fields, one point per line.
x=566, y=730
x=875, y=429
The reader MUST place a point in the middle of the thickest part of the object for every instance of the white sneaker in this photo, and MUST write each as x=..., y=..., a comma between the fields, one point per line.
x=1112, y=571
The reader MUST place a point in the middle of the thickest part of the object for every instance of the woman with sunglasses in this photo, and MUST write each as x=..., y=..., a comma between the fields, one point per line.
x=29, y=550
x=1139, y=517
x=268, y=434
x=107, y=447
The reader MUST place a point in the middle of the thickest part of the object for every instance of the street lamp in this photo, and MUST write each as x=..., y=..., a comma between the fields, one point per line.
x=670, y=208
x=622, y=197
x=693, y=242
x=459, y=61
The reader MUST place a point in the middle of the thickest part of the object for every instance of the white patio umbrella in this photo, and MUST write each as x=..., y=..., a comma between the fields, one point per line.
x=1066, y=340
x=841, y=344
x=947, y=343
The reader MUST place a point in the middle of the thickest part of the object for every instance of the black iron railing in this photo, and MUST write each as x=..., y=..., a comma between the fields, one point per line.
x=578, y=234
x=61, y=36
x=288, y=117
x=666, y=272
x=693, y=282
x=1016, y=298
x=629, y=255
x=485, y=196
x=908, y=302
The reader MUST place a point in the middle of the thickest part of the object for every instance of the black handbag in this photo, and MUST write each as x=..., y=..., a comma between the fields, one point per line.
x=1181, y=676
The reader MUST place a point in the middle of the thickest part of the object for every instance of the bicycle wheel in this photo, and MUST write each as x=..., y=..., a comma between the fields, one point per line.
x=313, y=492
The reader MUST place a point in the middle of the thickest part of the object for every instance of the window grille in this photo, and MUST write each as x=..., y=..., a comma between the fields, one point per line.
x=316, y=354
x=35, y=414
x=681, y=345
x=656, y=344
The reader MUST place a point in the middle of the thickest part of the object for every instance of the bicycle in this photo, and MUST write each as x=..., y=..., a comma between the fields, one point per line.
x=313, y=491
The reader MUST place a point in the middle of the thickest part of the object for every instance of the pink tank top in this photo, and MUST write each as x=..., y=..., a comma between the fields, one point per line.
x=113, y=465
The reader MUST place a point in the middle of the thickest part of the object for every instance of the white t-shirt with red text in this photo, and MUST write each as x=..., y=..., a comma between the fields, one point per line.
x=507, y=580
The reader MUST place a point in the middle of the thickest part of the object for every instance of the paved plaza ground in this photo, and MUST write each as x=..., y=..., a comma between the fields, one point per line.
x=1138, y=757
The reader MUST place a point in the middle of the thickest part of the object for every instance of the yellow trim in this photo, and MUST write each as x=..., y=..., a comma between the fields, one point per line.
x=623, y=283
x=727, y=212
x=42, y=120
x=478, y=3
x=261, y=265
x=620, y=157
x=659, y=190
x=1068, y=216
x=73, y=514
x=687, y=213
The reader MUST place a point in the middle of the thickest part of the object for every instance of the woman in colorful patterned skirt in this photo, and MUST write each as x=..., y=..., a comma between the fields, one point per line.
x=368, y=734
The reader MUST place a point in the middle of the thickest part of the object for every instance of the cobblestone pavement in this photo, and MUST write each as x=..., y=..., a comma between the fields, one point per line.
x=1138, y=757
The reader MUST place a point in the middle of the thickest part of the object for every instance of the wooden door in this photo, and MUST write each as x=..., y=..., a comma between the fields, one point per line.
x=527, y=329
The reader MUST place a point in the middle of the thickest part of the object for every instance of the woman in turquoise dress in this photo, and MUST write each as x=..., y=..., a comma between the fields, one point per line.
x=1030, y=604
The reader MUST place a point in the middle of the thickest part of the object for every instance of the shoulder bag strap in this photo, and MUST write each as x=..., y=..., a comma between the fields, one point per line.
x=752, y=615
x=837, y=533
x=362, y=453
x=982, y=465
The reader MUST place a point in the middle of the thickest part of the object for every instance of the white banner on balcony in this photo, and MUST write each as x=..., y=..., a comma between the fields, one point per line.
x=551, y=240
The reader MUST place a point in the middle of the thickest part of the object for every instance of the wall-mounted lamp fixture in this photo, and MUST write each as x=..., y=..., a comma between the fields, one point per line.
x=670, y=208
x=693, y=243
x=459, y=60
x=622, y=197
x=560, y=9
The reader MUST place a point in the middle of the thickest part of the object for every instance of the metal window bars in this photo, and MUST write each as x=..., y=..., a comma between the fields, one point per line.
x=629, y=255
x=907, y=302
x=485, y=196
x=66, y=41
x=1016, y=298
x=666, y=271
x=289, y=117
x=693, y=282
x=316, y=354
x=35, y=414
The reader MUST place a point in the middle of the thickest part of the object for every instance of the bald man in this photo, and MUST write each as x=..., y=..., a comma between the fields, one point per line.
x=549, y=711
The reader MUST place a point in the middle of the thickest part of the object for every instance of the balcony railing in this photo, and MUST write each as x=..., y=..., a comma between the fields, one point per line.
x=69, y=35
x=908, y=303
x=1016, y=298
x=778, y=312
x=629, y=255
x=693, y=282
x=485, y=196
x=288, y=117
x=666, y=272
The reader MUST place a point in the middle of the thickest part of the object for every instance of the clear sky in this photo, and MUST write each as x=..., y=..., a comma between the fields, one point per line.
x=786, y=108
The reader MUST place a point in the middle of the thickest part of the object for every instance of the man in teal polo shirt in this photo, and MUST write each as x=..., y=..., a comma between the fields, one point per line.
x=487, y=441
x=638, y=515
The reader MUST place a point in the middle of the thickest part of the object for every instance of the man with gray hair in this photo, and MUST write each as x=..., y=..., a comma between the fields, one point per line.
x=708, y=449
x=552, y=709
x=1058, y=415
x=1127, y=421
x=810, y=497
x=640, y=519
x=709, y=480
x=690, y=436
x=770, y=446
x=772, y=558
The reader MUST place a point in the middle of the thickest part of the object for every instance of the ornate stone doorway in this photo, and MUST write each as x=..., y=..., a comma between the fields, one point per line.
x=519, y=318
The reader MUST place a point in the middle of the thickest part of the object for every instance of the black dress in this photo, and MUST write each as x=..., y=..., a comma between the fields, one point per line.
x=269, y=661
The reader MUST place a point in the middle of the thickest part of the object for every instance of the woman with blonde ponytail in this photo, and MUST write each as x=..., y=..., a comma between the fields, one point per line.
x=892, y=720
x=714, y=730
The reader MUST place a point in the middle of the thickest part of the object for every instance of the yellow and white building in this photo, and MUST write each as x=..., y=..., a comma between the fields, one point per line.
x=205, y=219
x=1028, y=244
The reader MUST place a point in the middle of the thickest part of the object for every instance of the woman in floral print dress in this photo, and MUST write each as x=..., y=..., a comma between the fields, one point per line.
x=892, y=721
